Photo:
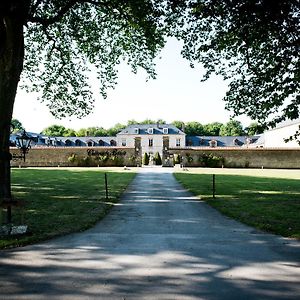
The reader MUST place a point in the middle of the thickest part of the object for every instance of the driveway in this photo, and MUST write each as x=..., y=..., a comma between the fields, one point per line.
x=159, y=242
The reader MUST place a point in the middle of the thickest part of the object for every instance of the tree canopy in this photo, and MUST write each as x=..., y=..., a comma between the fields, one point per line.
x=17, y=125
x=254, y=45
x=232, y=128
x=194, y=128
x=64, y=39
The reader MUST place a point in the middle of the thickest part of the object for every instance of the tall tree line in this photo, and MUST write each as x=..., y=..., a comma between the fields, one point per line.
x=231, y=128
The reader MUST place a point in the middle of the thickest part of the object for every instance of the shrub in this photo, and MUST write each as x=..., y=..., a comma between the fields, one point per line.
x=157, y=158
x=210, y=160
x=72, y=158
x=189, y=158
x=145, y=159
x=177, y=159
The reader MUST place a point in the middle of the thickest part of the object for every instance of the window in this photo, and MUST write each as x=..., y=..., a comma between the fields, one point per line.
x=68, y=143
x=78, y=143
x=177, y=142
x=123, y=142
x=190, y=143
x=113, y=143
x=213, y=143
x=150, y=130
x=165, y=131
x=136, y=131
x=101, y=143
x=150, y=142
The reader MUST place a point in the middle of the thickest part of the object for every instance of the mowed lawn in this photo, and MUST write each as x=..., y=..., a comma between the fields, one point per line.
x=266, y=199
x=60, y=201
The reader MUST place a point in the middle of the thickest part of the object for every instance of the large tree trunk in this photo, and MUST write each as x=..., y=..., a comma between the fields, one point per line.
x=11, y=64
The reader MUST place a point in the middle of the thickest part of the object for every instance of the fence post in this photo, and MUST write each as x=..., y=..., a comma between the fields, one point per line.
x=106, y=187
x=214, y=185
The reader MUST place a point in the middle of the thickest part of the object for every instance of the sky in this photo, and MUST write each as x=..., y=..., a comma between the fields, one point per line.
x=176, y=94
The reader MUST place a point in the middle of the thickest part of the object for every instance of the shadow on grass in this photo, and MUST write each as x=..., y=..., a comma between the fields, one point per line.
x=61, y=201
x=270, y=204
x=156, y=245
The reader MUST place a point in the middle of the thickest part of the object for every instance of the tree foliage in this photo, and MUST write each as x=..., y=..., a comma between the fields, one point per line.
x=145, y=159
x=157, y=159
x=55, y=130
x=213, y=128
x=254, y=45
x=254, y=128
x=232, y=128
x=63, y=39
x=194, y=128
x=17, y=125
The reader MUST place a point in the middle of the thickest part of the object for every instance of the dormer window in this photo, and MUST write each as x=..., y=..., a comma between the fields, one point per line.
x=136, y=130
x=235, y=142
x=150, y=130
x=165, y=130
x=213, y=143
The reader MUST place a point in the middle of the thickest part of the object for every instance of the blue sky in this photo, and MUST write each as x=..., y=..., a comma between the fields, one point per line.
x=176, y=94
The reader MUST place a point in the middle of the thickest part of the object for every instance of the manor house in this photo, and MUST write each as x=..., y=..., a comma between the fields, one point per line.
x=152, y=137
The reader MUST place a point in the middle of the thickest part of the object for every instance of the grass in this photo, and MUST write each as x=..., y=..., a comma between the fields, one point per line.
x=268, y=203
x=61, y=201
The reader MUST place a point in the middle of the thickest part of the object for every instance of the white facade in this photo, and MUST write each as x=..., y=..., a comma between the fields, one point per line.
x=275, y=138
x=151, y=143
x=151, y=137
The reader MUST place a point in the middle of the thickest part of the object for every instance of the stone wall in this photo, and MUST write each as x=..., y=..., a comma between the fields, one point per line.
x=277, y=158
x=76, y=156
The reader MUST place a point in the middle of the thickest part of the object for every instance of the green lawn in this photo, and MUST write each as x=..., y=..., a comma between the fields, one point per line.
x=268, y=203
x=60, y=201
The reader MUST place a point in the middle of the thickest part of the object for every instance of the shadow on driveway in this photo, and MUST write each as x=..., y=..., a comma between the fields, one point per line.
x=159, y=242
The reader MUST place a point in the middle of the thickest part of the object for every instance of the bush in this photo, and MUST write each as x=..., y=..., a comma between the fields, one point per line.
x=72, y=158
x=157, y=159
x=146, y=159
x=210, y=160
x=177, y=159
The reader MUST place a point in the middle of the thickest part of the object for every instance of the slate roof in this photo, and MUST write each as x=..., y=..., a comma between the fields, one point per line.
x=286, y=124
x=157, y=129
x=43, y=140
x=222, y=141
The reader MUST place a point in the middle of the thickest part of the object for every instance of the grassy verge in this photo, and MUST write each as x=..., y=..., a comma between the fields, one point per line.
x=267, y=203
x=59, y=201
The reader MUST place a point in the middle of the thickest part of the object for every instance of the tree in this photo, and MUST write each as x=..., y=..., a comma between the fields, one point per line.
x=254, y=128
x=52, y=43
x=70, y=132
x=232, y=128
x=116, y=129
x=179, y=124
x=17, y=125
x=92, y=131
x=213, y=129
x=55, y=130
x=254, y=45
x=157, y=159
x=194, y=128
x=145, y=159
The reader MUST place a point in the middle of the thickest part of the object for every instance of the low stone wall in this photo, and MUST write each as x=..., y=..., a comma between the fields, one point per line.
x=277, y=158
x=76, y=156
